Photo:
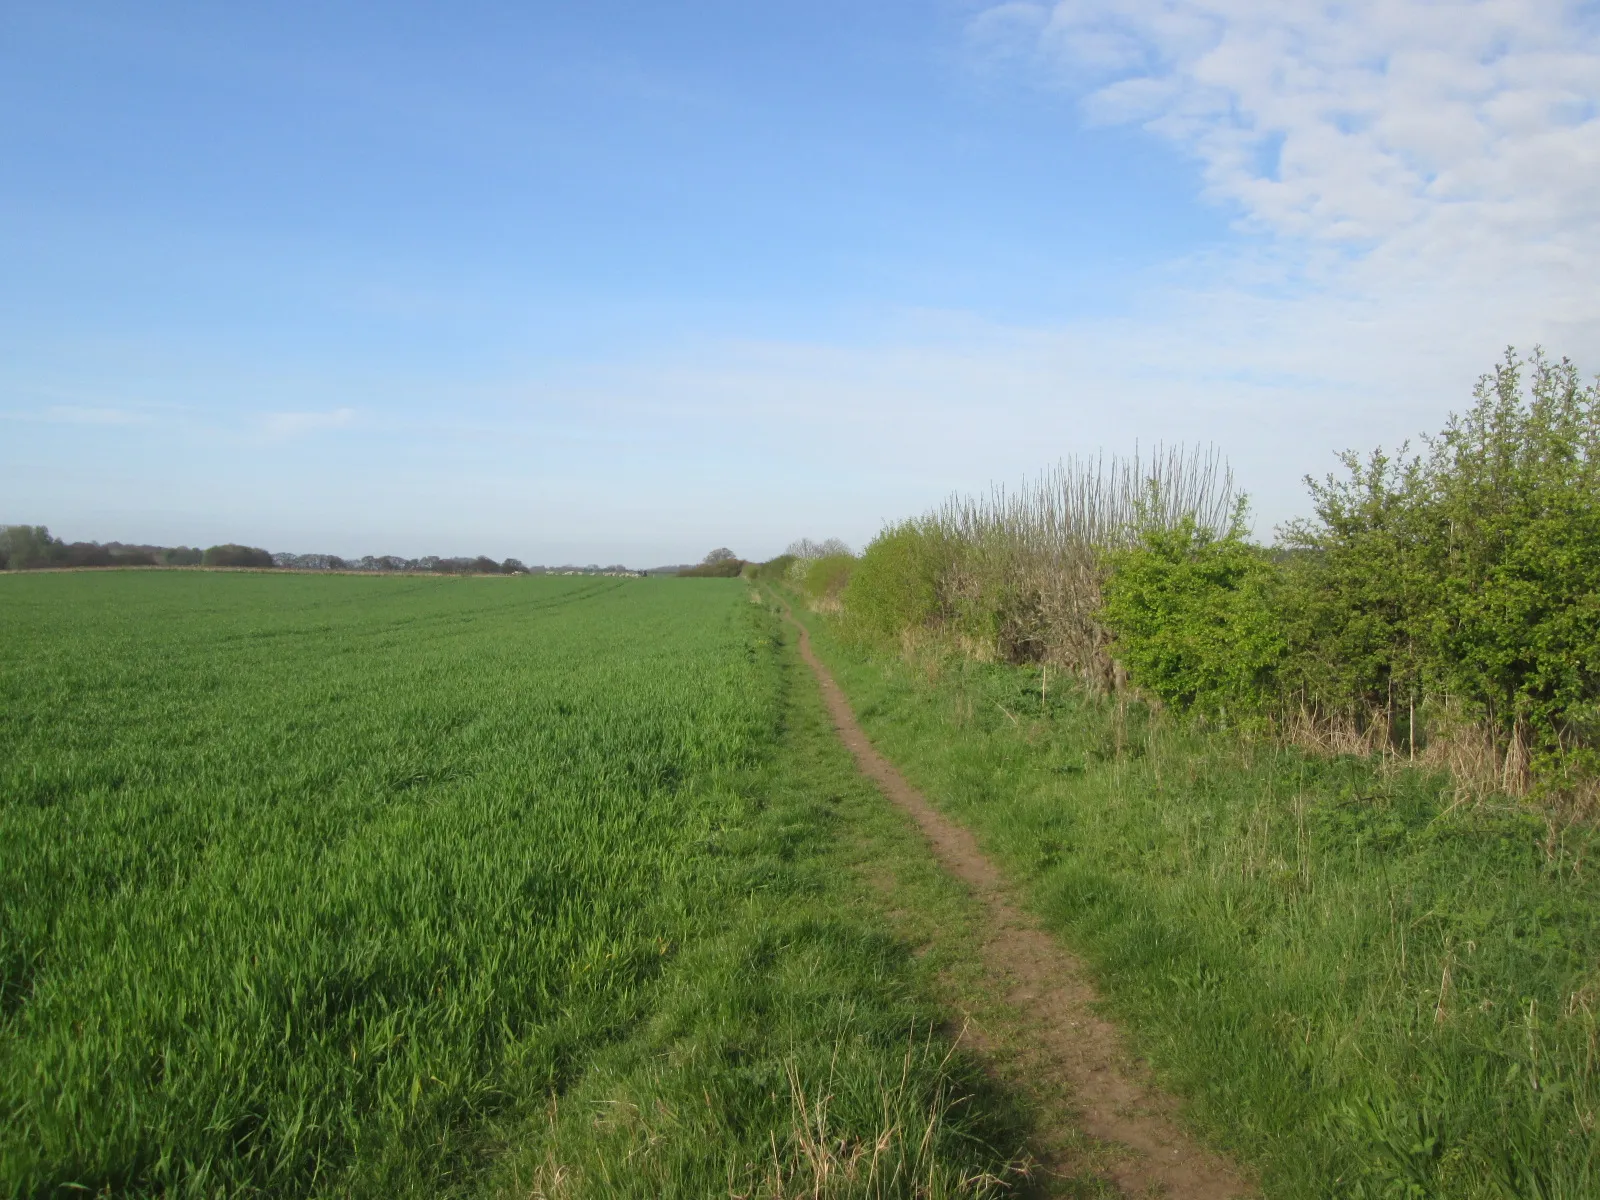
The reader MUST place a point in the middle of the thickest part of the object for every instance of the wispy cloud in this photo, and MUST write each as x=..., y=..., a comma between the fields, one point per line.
x=73, y=414
x=1440, y=140
x=1413, y=186
x=284, y=426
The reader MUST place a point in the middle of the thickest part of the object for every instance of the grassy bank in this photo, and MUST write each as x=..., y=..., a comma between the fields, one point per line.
x=1365, y=988
x=398, y=887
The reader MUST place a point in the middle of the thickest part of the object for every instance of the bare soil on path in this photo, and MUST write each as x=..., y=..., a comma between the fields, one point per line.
x=1113, y=1098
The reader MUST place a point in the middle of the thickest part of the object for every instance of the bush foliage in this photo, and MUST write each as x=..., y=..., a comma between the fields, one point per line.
x=1194, y=616
x=824, y=580
x=1456, y=588
x=895, y=585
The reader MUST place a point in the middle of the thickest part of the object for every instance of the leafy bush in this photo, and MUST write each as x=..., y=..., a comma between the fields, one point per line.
x=825, y=580
x=896, y=583
x=1193, y=617
x=721, y=563
x=1516, y=624
x=774, y=570
x=1357, y=590
x=1468, y=575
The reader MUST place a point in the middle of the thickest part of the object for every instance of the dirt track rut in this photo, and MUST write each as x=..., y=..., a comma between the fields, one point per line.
x=1049, y=989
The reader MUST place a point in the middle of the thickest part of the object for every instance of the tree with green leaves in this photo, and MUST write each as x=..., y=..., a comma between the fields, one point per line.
x=24, y=546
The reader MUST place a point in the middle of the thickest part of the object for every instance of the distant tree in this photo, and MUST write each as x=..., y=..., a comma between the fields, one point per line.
x=720, y=555
x=722, y=568
x=24, y=546
x=231, y=555
x=93, y=554
x=513, y=566
x=806, y=550
x=179, y=556
x=484, y=566
x=84, y=554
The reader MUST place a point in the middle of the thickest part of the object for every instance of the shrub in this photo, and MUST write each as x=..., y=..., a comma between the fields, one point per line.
x=825, y=580
x=1516, y=493
x=774, y=570
x=897, y=582
x=1194, y=618
x=231, y=555
x=1357, y=588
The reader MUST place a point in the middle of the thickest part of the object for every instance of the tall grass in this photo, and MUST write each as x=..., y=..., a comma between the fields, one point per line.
x=1367, y=988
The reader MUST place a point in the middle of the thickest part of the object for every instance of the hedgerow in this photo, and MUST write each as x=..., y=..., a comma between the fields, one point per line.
x=1444, y=605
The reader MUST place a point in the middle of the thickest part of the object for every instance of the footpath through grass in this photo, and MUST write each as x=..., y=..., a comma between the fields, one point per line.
x=1366, y=989
x=397, y=887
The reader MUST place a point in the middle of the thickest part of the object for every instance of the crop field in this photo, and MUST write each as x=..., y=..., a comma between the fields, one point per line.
x=334, y=885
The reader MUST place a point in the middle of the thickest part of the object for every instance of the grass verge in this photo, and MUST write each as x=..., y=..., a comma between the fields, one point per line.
x=1364, y=988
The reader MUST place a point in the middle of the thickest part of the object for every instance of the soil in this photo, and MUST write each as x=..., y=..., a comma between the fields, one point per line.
x=1113, y=1098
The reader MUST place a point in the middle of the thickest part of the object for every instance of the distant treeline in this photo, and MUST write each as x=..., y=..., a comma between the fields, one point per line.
x=26, y=547
x=481, y=565
x=31, y=547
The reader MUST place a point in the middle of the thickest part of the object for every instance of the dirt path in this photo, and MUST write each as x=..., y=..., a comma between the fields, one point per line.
x=1050, y=992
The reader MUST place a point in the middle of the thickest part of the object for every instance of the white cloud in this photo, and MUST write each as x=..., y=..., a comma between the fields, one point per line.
x=1415, y=185
x=72, y=414
x=282, y=426
x=1392, y=130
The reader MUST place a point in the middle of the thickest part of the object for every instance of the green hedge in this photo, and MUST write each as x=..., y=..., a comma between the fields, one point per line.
x=896, y=583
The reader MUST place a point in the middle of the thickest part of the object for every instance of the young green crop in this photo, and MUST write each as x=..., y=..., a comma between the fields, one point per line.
x=319, y=885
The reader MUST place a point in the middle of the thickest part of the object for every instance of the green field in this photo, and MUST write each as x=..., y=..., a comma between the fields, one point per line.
x=397, y=886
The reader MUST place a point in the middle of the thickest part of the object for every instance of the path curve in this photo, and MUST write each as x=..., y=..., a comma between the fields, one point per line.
x=1052, y=994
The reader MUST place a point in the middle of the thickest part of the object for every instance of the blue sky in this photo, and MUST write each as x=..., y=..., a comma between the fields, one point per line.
x=620, y=281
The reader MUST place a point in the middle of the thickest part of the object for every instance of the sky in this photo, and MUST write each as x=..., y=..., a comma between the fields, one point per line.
x=623, y=282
